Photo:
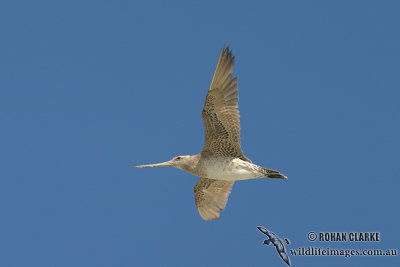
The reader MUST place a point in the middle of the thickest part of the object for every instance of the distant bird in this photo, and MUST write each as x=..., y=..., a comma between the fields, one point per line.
x=221, y=162
x=277, y=242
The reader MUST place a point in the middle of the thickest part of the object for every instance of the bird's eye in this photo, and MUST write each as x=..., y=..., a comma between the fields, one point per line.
x=178, y=158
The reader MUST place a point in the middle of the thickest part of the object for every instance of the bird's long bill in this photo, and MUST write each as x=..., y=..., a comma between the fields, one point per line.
x=162, y=164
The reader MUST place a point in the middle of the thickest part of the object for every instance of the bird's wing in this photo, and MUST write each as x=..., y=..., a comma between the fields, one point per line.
x=220, y=113
x=211, y=196
x=284, y=257
x=265, y=231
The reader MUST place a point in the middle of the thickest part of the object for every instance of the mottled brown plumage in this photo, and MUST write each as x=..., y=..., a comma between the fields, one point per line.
x=220, y=113
x=211, y=196
x=222, y=126
x=222, y=161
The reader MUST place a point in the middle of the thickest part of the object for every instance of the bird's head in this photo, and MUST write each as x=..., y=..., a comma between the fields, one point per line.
x=180, y=162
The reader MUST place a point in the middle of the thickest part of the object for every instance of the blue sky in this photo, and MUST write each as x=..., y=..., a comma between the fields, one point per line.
x=90, y=88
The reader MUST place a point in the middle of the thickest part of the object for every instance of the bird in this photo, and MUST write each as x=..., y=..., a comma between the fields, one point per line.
x=274, y=240
x=221, y=162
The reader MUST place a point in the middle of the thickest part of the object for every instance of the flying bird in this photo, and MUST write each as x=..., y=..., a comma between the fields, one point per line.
x=274, y=240
x=221, y=162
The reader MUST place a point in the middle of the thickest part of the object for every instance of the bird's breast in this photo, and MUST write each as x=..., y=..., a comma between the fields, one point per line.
x=227, y=169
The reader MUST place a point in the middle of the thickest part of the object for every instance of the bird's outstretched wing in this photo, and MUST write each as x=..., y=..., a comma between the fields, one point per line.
x=265, y=231
x=211, y=196
x=284, y=257
x=220, y=113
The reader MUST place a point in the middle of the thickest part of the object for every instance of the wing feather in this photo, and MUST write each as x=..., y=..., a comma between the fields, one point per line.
x=220, y=113
x=211, y=196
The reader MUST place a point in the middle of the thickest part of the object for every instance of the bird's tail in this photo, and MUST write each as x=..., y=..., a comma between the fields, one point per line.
x=272, y=174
